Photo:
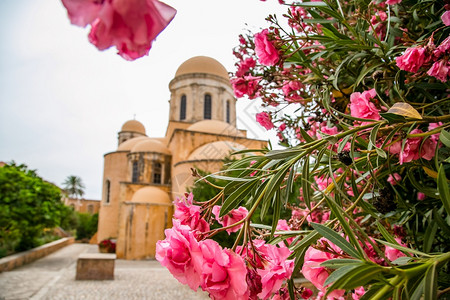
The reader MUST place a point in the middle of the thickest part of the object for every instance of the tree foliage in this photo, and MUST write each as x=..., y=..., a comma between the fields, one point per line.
x=74, y=186
x=28, y=204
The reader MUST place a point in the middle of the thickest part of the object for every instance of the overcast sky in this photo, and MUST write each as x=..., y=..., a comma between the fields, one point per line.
x=62, y=101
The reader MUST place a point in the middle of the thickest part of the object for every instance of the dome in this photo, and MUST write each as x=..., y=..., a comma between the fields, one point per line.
x=150, y=145
x=202, y=64
x=134, y=126
x=127, y=145
x=215, y=150
x=150, y=194
x=216, y=127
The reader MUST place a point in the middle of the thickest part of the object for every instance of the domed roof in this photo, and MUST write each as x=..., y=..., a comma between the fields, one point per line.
x=133, y=125
x=215, y=150
x=216, y=127
x=127, y=145
x=150, y=194
x=150, y=145
x=202, y=64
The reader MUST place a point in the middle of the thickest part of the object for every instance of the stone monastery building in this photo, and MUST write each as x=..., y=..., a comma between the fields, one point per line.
x=145, y=174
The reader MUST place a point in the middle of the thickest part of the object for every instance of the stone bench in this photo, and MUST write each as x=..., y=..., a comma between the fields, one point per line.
x=95, y=266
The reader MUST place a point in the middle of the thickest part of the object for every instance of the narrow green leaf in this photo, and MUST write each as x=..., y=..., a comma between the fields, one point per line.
x=444, y=137
x=393, y=118
x=236, y=197
x=418, y=291
x=339, y=273
x=276, y=213
x=386, y=234
x=444, y=192
x=429, y=235
x=311, y=4
x=430, y=287
x=403, y=249
x=337, y=239
x=282, y=154
x=340, y=262
x=306, y=187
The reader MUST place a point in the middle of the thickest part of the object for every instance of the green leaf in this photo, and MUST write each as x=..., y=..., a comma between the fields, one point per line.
x=444, y=137
x=306, y=187
x=339, y=273
x=403, y=249
x=311, y=4
x=430, y=287
x=337, y=239
x=236, y=197
x=429, y=235
x=282, y=154
x=276, y=213
x=404, y=109
x=444, y=192
x=393, y=118
x=340, y=262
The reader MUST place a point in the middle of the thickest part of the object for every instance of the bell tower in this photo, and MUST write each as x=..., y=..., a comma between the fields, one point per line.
x=201, y=90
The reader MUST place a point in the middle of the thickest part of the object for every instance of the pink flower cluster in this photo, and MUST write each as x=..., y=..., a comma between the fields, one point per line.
x=264, y=120
x=257, y=273
x=361, y=105
x=129, y=25
x=434, y=59
x=265, y=50
x=314, y=272
x=416, y=147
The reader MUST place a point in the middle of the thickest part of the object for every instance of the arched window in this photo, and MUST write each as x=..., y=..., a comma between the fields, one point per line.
x=107, y=190
x=207, y=107
x=183, y=108
x=157, y=173
x=228, y=111
x=135, y=172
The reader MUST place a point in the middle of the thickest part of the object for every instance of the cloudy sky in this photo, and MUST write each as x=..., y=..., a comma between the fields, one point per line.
x=62, y=101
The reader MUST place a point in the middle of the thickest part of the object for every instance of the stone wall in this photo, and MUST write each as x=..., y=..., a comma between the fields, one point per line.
x=16, y=260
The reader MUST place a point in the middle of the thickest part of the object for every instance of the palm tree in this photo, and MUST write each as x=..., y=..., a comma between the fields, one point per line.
x=74, y=187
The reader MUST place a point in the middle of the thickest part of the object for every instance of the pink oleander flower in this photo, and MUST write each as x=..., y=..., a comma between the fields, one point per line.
x=412, y=59
x=412, y=151
x=223, y=272
x=180, y=253
x=265, y=51
x=189, y=214
x=446, y=18
x=232, y=217
x=291, y=90
x=392, y=253
x=282, y=225
x=392, y=2
x=264, y=120
x=317, y=274
x=247, y=85
x=129, y=25
x=358, y=293
x=245, y=66
x=421, y=196
x=440, y=69
x=277, y=268
x=362, y=107
x=394, y=178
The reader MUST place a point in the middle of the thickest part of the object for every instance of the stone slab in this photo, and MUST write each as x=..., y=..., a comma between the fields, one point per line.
x=95, y=266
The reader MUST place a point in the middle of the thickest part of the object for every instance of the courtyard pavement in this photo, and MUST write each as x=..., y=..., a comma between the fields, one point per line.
x=53, y=277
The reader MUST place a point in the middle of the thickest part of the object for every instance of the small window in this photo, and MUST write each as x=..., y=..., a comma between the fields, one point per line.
x=157, y=173
x=183, y=107
x=207, y=107
x=107, y=190
x=228, y=111
x=135, y=173
x=90, y=208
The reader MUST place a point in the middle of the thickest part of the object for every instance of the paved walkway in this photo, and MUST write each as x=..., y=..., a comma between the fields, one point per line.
x=53, y=277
